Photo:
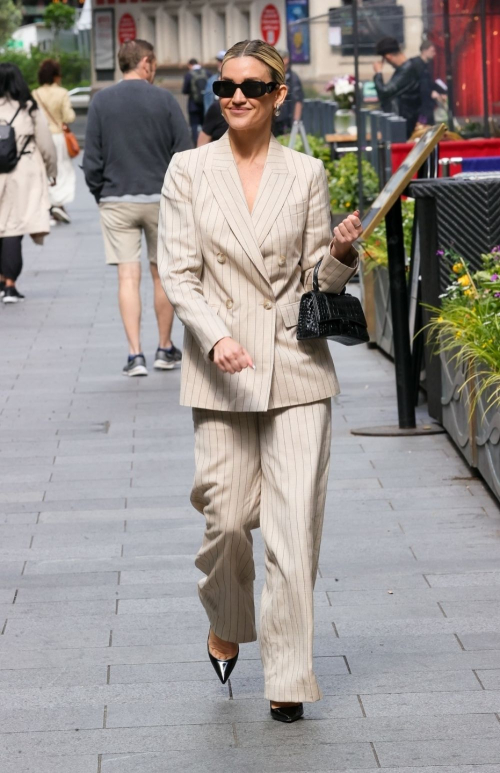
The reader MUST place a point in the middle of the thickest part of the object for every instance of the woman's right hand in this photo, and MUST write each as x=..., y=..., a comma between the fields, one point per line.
x=231, y=357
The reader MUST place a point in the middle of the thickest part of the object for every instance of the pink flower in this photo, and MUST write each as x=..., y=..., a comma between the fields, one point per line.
x=494, y=277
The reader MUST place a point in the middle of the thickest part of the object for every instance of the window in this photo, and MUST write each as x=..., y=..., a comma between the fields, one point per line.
x=195, y=37
x=220, y=36
x=245, y=25
x=150, y=30
x=171, y=40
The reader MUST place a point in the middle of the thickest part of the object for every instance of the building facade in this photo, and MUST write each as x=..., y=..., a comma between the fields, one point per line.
x=181, y=29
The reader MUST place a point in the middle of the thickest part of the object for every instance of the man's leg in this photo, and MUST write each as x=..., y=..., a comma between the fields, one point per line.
x=129, y=299
x=163, y=309
x=122, y=241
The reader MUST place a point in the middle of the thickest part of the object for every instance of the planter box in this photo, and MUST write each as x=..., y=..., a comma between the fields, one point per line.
x=383, y=313
x=456, y=407
x=487, y=441
x=376, y=299
x=477, y=436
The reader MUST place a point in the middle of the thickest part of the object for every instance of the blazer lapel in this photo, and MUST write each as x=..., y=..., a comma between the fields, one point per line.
x=273, y=191
x=224, y=180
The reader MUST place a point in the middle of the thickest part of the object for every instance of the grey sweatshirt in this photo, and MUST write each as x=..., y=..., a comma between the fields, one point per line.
x=133, y=130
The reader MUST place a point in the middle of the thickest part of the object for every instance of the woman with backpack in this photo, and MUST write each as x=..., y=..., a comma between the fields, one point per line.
x=54, y=101
x=27, y=159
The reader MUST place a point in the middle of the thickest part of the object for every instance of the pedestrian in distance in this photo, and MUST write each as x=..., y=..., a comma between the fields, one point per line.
x=209, y=97
x=54, y=101
x=401, y=94
x=291, y=110
x=214, y=125
x=133, y=130
x=28, y=162
x=195, y=86
x=261, y=399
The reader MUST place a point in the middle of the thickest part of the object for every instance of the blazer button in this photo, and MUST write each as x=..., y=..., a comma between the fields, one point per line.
x=268, y=305
x=281, y=260
x=221, y=258
x=229, y=304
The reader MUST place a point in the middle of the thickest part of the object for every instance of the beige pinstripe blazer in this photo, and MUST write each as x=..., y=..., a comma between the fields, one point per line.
x=231, y=273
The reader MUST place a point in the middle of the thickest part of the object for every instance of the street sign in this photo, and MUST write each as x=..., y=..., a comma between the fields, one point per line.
x=270, y=24
x=127, y=29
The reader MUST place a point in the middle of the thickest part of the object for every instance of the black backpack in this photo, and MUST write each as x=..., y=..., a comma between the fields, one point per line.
x=199, y=80
x=8, y=148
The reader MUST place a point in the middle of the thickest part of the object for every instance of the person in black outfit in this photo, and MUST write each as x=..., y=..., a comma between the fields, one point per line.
x=291, y=109
x=423, y=65
x=401, y=94
x=195, y=81
x=214, y=125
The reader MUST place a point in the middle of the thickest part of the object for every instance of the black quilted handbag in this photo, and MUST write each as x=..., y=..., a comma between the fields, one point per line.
x=339, y=317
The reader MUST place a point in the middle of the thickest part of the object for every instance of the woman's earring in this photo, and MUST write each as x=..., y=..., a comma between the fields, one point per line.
x=277, y=110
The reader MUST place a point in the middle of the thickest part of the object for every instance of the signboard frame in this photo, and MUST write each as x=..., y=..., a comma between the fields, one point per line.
x=268, y=9
x=401, y=178
x=294, y=11
x=104, y=54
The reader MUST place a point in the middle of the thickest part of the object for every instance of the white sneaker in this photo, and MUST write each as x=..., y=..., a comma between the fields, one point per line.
x=59, y=213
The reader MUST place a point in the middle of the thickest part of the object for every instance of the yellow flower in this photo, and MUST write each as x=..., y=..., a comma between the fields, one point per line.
x=440, y=319
x=347, y=204
x=469, y=292
x=458, y=268
x=463, y=280
x=458, y=334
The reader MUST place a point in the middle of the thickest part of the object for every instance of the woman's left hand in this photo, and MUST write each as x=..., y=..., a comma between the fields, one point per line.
x=344, y=236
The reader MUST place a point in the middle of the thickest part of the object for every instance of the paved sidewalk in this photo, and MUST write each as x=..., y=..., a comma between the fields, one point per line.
x=103, y=665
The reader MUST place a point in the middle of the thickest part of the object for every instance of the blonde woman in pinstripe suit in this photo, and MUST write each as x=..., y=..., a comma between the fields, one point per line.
x=243, y=222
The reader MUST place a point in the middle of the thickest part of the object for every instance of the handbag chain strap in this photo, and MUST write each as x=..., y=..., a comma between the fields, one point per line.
x=316, y=279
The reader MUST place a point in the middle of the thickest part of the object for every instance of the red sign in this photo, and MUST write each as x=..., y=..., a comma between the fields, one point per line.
x=270, y=24
x=126, y=28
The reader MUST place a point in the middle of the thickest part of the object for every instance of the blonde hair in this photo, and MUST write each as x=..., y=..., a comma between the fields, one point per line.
x=265, y=53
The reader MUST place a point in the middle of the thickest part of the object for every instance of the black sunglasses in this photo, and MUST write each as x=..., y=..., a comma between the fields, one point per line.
x=251, y=89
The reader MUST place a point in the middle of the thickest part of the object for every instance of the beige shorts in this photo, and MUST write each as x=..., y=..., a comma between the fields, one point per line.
x=122, y=227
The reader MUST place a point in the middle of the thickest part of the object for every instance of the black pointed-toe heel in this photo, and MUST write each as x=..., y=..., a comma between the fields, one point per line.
x=288, y=713
x=223, y=668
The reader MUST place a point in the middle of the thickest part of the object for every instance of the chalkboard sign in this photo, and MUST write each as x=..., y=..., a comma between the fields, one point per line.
x=401, y=178
x=375, y=22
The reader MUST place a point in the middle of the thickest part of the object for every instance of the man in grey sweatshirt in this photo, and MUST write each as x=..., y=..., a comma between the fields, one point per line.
x=133, y=130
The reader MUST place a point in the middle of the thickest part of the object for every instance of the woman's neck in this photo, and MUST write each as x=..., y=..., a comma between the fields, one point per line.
x=249, y=146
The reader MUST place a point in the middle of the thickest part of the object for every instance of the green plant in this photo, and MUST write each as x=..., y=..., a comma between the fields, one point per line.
x=375, y=247
x=343, y=183
x=342, y=175
x=11, y=17
x=59, y=16
x=75, y=68
x=467, y=326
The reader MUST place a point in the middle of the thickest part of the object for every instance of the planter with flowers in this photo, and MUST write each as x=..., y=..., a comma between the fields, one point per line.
x=466, y=331
x=343, y=90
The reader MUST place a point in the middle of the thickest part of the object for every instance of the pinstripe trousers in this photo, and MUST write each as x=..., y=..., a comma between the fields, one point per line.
x=267, y=469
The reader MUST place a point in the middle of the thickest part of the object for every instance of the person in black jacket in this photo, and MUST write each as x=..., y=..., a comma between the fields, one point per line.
x=401, y=94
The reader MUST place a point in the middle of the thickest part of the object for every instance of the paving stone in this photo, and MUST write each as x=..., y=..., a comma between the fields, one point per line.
x=74, y=632
x=420, y=704
x=48, y=677
x=378, y=729
x=336, y=757
x=50, y=764
x=118, y=741
x=412, y=682
x=392, y=663
x=471, y=751
x=25, y=720
x=54, y=580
